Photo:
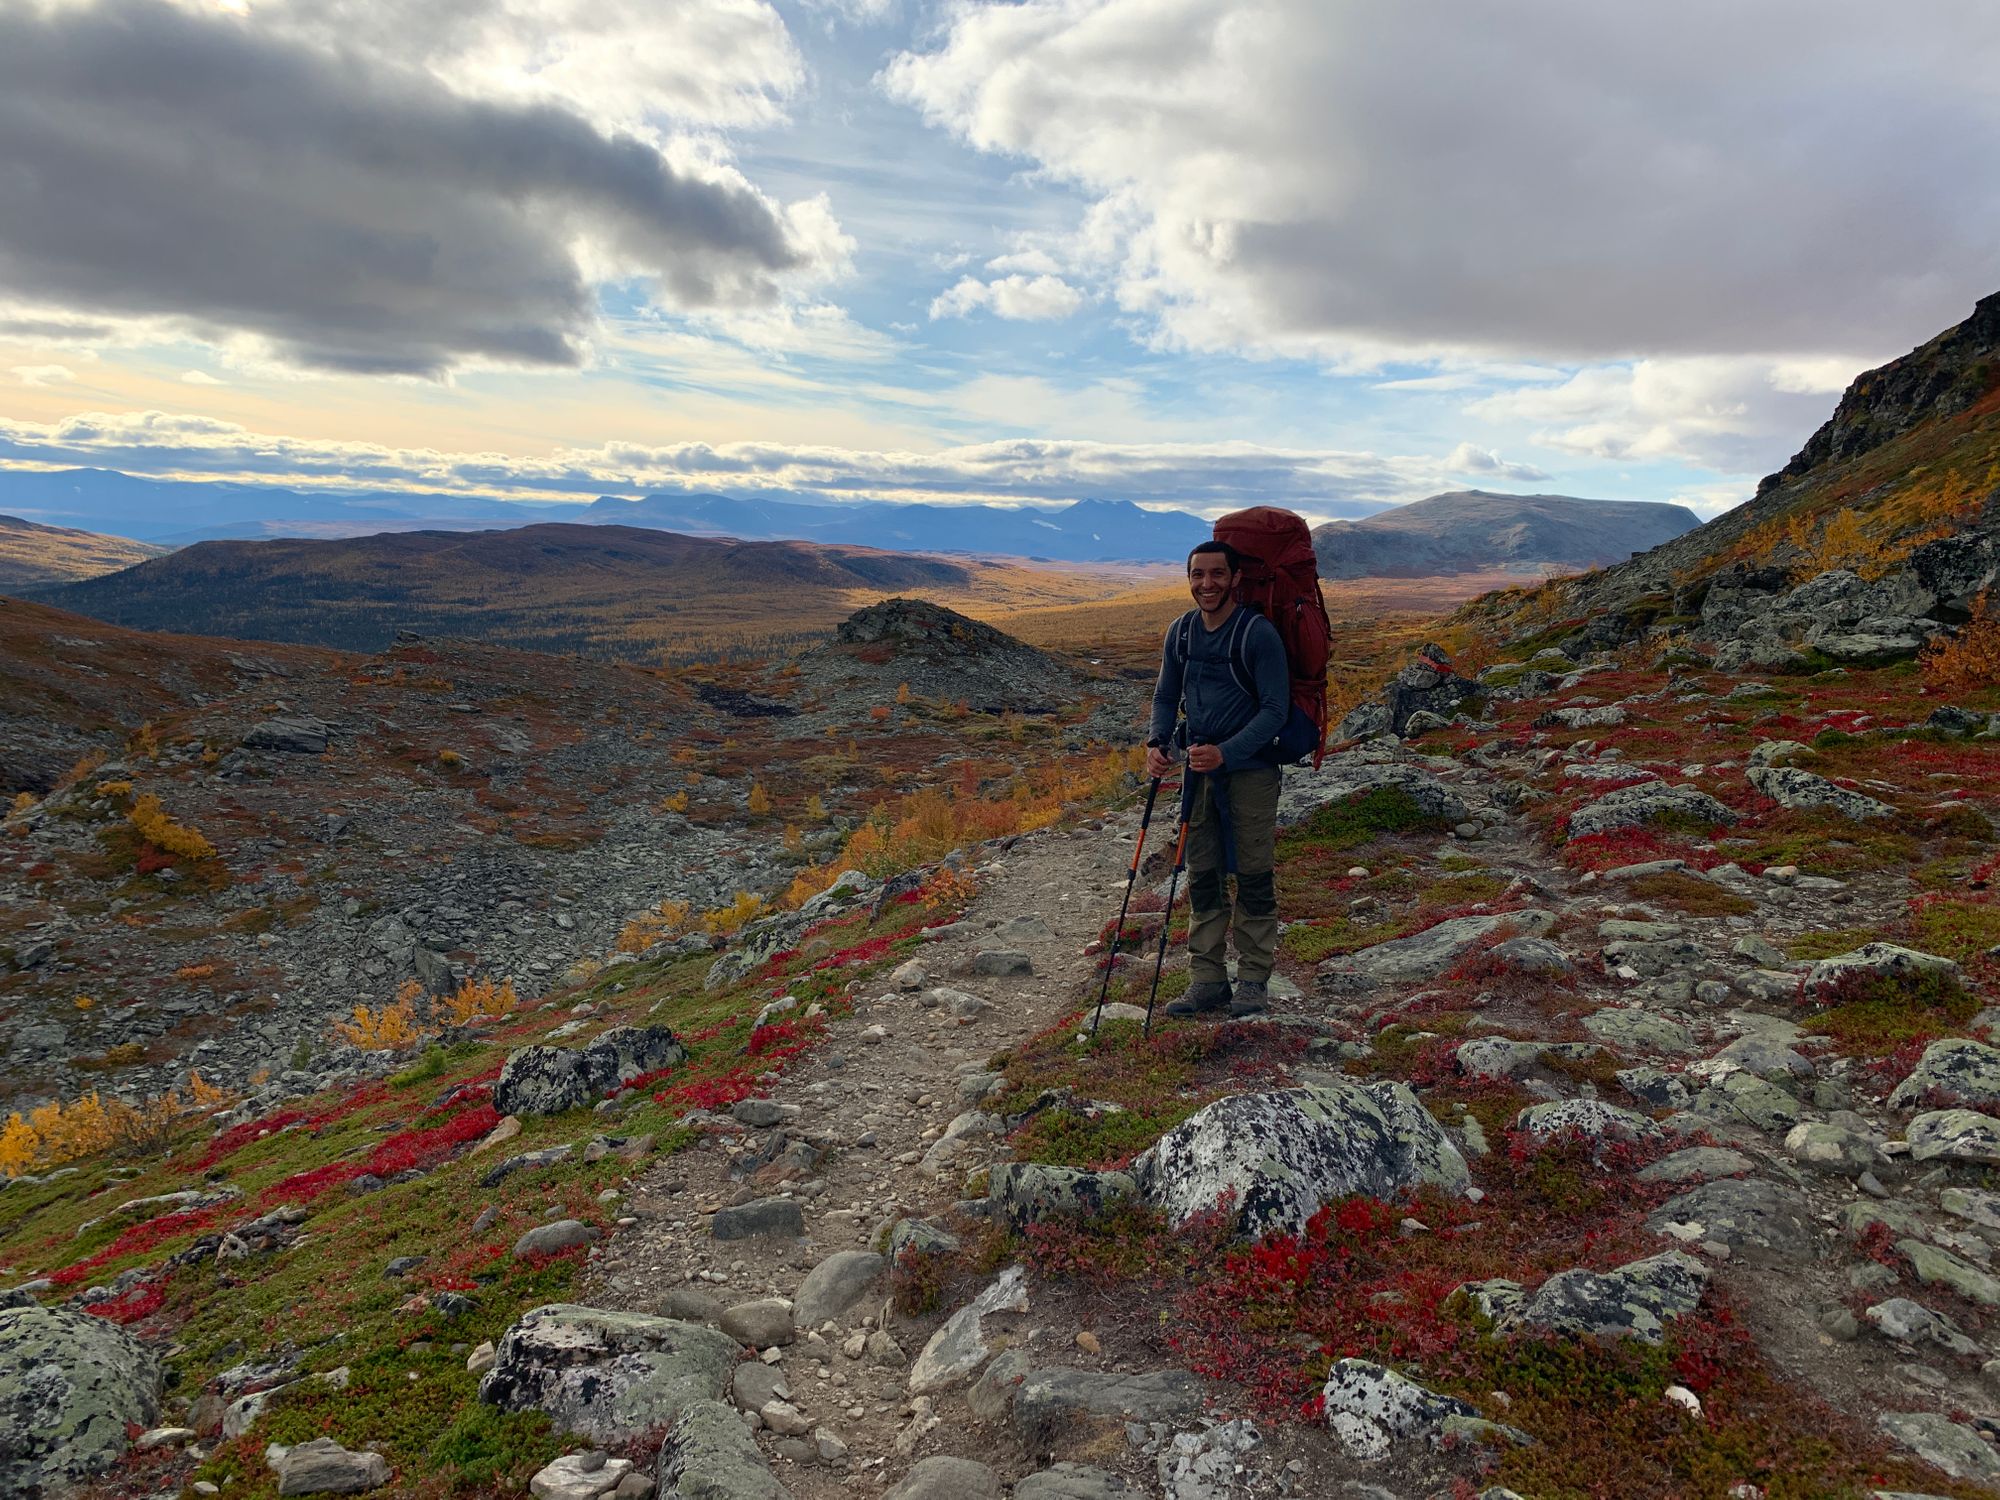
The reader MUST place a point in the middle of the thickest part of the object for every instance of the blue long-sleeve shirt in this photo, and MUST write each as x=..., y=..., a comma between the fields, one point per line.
x=1219, y=712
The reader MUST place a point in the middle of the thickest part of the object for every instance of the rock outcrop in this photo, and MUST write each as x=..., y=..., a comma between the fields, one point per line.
x=548, y=1080
x=607, y=1374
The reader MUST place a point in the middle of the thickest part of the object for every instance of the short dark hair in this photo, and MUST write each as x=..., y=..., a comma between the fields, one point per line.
x=1229, y=554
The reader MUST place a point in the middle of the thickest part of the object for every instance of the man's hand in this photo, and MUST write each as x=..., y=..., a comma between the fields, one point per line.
x=1158, y=766
x=1204, y=758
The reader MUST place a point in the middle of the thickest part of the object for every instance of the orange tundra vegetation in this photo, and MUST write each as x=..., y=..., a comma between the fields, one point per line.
x=1968, y=661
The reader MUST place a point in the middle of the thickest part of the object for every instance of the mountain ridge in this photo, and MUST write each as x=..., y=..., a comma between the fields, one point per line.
x=1464, y=531
x=33, y=554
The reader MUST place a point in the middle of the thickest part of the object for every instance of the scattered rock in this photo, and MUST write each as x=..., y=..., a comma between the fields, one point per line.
x=295, y=734
x=1833, y=1149
x=579, y=1476
x=1067, y=1481
x=556, y=1237
x=1956, y=1449
x=1739, y=1213
x=1427, y=954
x=709, y=1455
x=763, y=1324
x=959, y=1348
x=1048, y=1400
x=1588, y=1117
x=761, y=1216
x=943, y=1478
x=1912, y=1323
x=1368, y=1406
x=1636, y=806
x=322, y=1467
x=1954, y=1135
x=1002, y=963
x=835, y=1285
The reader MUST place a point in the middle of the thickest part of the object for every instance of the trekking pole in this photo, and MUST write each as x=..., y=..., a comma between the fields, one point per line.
x=1131, y=879
x=1173, y=885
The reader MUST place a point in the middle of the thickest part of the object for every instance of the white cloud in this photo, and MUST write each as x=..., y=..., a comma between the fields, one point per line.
x=394, y=187
x=1032, y=261
x=1565, y=179
x=200, y=377
x=1200, y=476
x=855, y=12
x=1468, y=458
x=1025, y=299
x=44, y=374
x=1733, y=415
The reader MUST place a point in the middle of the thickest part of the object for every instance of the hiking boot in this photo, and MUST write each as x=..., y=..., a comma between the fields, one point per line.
x=1252, y=998
x=1208, y=997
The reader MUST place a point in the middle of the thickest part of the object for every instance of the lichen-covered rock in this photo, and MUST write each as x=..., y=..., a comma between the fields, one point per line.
x=1740, y=1212
x=1281, y=1155
x=1883, y=959
x=1049, y=1399
x=1368, y=1406
x=709, y=1455
x=1951, y=1446
x=1637, y=1300
x=1590, y=1117
x=1425, y=955
x=1912, y=1323
x=606, y=1374
x=1342, y=777
x=1634, y=1029
x=71, y=1387
x=1025, y=1192
x=1636, y=806
x=1798, y=790
x=1833, y=1149
x=548, y=1080
x=1954, y=1135
x=1956, y=1070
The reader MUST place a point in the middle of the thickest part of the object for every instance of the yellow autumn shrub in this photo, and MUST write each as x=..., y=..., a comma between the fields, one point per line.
x=164, y=834
x=388, y=1029
x=478, y=999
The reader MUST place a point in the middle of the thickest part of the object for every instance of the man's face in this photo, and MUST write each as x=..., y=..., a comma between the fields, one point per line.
x=1210, y=580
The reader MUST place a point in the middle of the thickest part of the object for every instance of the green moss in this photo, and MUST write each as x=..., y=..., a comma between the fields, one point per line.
x=1817, y=945
x=1956, y=929
x=1355, y=821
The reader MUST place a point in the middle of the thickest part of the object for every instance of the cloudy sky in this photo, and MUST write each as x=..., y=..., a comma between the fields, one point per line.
x=1198, y=252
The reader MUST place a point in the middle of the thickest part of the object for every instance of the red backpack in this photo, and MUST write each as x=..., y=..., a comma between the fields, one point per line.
x=1281, y=582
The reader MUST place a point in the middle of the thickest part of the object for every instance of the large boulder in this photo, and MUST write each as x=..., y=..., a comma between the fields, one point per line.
x=322, y=1467
x=292, y=734
x=1649, y=802
x=1798, y=790
x=1425, y=955
x=1025, y=1192
x=607, y=1374
x=71, y=1388
x=1281, y=1155
x=548, y=1080
x=1956, y=1070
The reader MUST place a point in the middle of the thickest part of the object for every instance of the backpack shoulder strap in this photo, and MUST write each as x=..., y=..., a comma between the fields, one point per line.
x=1239, y=652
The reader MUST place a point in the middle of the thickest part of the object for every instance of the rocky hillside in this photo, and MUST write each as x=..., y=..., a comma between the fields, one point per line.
x=326, y=826
x=33, y=555
x=1900, y=486
x=1472, y=531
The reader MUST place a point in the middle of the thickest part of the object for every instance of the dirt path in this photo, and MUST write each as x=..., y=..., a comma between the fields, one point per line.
x=875, y=1100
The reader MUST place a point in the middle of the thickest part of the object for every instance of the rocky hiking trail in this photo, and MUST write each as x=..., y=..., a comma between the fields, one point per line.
x=1624, y=1125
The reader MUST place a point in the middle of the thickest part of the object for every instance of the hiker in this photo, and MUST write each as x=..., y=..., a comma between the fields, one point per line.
x=1225, y=665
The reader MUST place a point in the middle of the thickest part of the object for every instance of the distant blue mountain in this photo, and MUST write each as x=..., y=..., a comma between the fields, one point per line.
x=1086, y=531
x=180, y=513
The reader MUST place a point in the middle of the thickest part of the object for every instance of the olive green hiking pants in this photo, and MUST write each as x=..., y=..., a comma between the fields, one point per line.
x=1252, y=795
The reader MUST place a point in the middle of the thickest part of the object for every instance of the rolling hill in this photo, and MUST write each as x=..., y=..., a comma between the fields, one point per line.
x=32, y=554
x=623, y=592
x=1470, y=531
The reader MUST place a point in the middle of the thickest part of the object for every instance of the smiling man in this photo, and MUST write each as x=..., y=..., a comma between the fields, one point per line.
x=1223, y=666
